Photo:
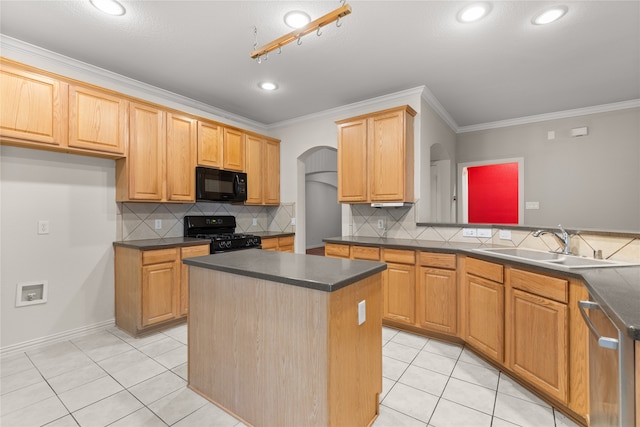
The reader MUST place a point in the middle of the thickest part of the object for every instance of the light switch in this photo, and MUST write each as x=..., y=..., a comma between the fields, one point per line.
x=362, y=312
x=469, y=232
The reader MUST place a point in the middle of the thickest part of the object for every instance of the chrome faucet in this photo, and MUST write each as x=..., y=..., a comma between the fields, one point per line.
x=564, y=238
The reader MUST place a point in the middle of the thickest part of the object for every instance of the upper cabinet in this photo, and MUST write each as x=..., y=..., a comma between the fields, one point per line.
x=97, y=120
x=375, y=157
x=263, y=170
x=161, y=160
x=33, y=107
x=210, y=135
x=233, y=150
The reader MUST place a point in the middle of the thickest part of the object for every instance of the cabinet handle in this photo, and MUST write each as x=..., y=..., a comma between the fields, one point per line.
x=604, y=342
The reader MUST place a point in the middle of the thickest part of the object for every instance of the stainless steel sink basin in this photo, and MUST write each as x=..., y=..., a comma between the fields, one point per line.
x=554, y=259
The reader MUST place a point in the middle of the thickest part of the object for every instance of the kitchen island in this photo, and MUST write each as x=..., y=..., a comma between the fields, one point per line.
x=281, y=339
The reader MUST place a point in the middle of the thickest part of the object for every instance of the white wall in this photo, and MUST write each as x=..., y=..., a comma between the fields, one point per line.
x=77, y=195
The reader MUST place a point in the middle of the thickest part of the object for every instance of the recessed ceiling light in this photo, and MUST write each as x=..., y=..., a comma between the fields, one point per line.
x=268, y=86
x=296, y=19
x=112, y=7
x=474, y=12
x=547, y=16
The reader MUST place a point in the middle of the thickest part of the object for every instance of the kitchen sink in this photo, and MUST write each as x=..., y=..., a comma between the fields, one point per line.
x=553, y=258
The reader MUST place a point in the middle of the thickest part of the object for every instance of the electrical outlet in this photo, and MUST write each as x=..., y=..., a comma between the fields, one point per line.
x=43, y=227
x=362, y=312
x=483, y=232
x=293, y=221
x=381, y=224
x=505, y=234
x=469, y=232
x=158, y=224
x=254, y=222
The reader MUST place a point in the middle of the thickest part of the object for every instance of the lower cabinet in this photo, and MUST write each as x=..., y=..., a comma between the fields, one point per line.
x=437, y=293
x=336, y=250
x=281, y=244
x=484, y=315
x=538, y=330
x=151, y=286
x=399, y=286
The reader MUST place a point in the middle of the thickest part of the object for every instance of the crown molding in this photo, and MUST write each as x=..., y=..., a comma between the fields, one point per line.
x=604, y=108
x=433, y=102
x=346, y=109
x=36, y=56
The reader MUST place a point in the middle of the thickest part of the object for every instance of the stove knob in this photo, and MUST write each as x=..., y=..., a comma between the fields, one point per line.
x=228, y=244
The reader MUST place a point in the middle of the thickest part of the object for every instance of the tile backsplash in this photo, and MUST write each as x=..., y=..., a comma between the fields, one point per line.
x=137, y=220
x=400, y=223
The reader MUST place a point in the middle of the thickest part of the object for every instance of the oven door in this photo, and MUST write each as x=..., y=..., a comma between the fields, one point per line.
x=215, y=185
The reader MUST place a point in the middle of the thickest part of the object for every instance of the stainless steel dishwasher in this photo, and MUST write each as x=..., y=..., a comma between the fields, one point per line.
x=611, y=370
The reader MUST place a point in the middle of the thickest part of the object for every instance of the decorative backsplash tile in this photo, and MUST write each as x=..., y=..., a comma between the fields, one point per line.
x=137, y=220
x=400, y=223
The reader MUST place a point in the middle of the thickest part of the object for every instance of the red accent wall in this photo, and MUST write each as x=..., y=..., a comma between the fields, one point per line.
x=493, y=193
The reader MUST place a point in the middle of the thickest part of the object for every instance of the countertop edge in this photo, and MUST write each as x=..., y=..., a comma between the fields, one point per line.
x=160, y=243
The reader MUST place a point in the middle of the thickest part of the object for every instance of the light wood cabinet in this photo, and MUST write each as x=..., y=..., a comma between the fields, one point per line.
x=538, y=329
x=161, y=160
x=150, y=286
x=181, y=158
x=437, y=293
x=484, y=314
x=375, y=157
x=399, y=285
x=210, y=144
x=97, y=120
x=233, y=149
x=33, y=106
x=281, y=244
x=188, y=252
x=262, y=161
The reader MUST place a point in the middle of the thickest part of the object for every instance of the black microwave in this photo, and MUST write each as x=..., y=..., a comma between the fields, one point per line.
x=215, y=185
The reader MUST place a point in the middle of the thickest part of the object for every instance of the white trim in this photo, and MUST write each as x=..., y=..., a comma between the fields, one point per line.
x=347, y=108
x=431, y=99
x=51, y=339
x=604, y=108
x=46, y=58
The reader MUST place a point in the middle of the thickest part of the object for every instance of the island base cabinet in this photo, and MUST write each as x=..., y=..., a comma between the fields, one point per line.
x=295, y=357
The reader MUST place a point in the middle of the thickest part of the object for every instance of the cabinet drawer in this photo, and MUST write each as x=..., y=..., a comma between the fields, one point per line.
x=539, y=284
x=159, y=255
x=398, y=255
x=191, y=251
x=270, y=244
x=485, y=269
x=340, y=251
x=430, y=259
x=365, y=252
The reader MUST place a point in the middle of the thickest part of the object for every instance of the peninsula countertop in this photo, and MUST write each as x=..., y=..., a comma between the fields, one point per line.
x=307, y=271
x=617, y=290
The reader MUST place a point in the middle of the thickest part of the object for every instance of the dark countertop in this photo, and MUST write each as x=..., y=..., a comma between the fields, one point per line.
x=308, y=271
x=148, y=244
x=268, y=234
x=616, y=289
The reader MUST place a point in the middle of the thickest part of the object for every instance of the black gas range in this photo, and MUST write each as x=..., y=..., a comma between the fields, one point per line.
x=220, y=229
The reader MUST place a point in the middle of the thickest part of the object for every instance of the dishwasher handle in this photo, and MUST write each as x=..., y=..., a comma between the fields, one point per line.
x=604, y=342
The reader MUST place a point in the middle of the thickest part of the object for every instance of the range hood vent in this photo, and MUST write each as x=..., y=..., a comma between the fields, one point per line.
x=390, y=204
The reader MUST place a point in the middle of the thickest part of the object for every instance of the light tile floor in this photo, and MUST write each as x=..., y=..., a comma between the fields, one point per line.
x=109, y=378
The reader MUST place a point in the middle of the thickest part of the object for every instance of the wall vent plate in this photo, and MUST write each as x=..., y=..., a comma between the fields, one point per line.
x=30, y=293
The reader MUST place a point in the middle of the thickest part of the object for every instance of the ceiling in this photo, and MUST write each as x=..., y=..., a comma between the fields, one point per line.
x=499, y=68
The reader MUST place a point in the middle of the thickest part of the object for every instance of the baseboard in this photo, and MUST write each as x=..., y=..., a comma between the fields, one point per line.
x=51, y=339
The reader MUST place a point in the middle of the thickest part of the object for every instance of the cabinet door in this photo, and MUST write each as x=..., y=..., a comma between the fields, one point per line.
x=210, y=137
x=336, y=250
x=145, y=162
x=254, y=163
x=352, y=162
x=191, y=251
x=271, y=186
x=181, y=158
x=233, y=150
x=33, y=107
x=485, y=316
x=159, y=293
x=97, y=120
x=538, y=329
x=286, y=244
x=387, y=156
x=437, y=300
x=398, y=285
